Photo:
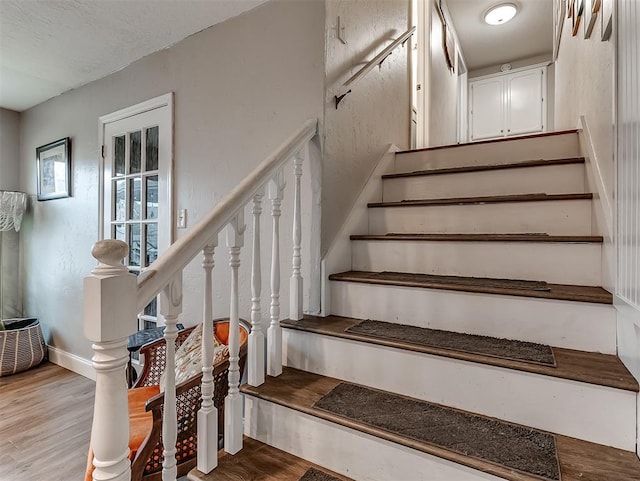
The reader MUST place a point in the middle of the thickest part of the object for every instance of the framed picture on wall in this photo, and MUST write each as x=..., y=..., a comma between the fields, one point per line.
x=559, y=11
x=449, y=46
x=578, y=12
x=591, y=9
x=448, y=40
x=607, y=19
x=53, y=164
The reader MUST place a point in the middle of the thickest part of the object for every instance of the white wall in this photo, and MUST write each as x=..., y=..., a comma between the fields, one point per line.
x=442, y=86
x=10, y=292
x=584, y=85
x=9, y=149
x=241, y=87
x=375, y=114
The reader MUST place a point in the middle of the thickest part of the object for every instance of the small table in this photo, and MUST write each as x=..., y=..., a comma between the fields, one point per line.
x=139, y=339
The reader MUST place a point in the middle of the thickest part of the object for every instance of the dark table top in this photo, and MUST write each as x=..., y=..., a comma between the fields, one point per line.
x=140, y=338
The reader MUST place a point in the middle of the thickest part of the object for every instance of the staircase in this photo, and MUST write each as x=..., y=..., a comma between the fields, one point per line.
x=471, y=245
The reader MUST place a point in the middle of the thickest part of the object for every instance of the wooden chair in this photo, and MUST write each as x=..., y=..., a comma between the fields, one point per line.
x=146, y=404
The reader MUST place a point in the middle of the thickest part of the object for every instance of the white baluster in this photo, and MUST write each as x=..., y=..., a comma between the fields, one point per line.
x=208, y=414
x=256, y=338
x=233, y=401
x=109, y=317
x=274, y=333
x=170, y=308
x=295, y=295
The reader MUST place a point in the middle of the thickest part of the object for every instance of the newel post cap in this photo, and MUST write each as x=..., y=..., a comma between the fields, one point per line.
x=109, y=294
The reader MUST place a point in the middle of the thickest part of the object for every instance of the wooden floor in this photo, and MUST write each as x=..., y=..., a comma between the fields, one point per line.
x=260, y=462
x=45, y=424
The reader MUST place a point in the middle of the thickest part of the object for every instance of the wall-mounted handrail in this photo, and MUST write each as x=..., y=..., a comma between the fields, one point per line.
x=377, y=60
x=181, y=252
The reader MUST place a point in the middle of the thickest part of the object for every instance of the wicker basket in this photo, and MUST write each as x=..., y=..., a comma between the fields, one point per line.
x=21, y=345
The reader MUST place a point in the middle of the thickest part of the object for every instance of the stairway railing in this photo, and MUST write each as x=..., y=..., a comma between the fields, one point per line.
x=113, y=297
x=377, y=60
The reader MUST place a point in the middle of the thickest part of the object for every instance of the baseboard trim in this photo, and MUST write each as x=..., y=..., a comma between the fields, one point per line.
x=72, y=362
x=338, y=256
x=603, y=212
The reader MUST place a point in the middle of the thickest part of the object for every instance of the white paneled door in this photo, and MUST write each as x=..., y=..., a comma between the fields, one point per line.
x=510, y=104
x=487, y=111
x=525, y=102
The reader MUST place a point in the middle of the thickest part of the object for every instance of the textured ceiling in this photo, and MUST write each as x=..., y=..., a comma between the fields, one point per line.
x=529, y=34
x=50, y=46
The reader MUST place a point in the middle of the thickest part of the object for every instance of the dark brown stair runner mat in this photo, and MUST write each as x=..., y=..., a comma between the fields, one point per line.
x=481, y=168
x=467, y=281
x=507, y=287
x=517, y=447
x=314, y=474
x=493, y=199
x=455, y=341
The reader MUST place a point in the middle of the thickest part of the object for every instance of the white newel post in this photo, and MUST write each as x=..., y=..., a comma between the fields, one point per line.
x=170, y=308
x=109, y=318
x=256, y=338
x=274, y=333
x=233, y=401
x=295, y=295
x=208, y=414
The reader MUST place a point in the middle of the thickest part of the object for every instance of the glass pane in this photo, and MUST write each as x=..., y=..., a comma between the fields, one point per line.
x=152, y=148
x=135, y=152
x=150, y=324
x=118, y=155
x=119, y=232
x=152, y=243
x=134, y=245
x=119, y=199
x=152, y=197
x=135, y=187
x=152, y=308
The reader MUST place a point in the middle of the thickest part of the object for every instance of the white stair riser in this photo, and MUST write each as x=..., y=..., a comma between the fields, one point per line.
x=557, y=405
x=560, y=179
x=568, y=217
x=572, y=325
x=550, y=147
x=557, y=262
x=346, y=451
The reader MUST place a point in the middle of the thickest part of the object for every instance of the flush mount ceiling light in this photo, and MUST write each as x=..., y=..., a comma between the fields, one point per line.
x=500, y=14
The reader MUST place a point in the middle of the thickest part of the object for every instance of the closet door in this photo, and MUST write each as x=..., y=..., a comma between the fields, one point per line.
x=486, y=112
x=525, y=102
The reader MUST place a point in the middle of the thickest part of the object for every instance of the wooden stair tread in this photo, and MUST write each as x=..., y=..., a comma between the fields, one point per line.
x=579, y=460
x=590, y=367
x=489, y=167
x=491, y=141
x=480, y=238
x=427, y=281
x=259, y=461
x=492, y=199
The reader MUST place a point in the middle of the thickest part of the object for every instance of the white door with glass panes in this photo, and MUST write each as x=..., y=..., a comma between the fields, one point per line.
x=137, y=157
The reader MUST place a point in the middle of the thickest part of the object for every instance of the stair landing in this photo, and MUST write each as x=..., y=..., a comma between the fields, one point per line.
x=260, y=462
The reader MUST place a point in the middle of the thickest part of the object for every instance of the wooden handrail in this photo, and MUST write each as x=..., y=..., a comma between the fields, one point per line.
x=181, y=252
x=377, y=60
